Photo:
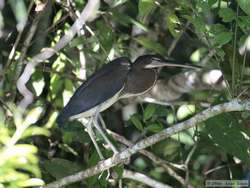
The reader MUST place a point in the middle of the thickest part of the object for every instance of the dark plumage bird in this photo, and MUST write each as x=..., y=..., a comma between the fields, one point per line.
x=118, y=79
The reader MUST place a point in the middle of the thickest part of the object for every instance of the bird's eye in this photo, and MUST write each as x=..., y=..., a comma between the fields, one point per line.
x=125, y=63
x=156, y=59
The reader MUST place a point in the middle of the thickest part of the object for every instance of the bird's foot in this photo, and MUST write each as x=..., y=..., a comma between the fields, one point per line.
x=102, y=173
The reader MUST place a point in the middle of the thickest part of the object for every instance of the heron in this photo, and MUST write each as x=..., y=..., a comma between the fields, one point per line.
x=116, y=80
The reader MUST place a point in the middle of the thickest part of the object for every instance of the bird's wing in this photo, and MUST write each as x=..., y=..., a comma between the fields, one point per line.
x=101, y=86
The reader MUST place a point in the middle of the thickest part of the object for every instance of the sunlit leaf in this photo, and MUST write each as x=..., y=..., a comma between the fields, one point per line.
x=115, y=3
x=149, y=111
x=68, y=92
x=137, y=122
x=51, y=120
x=145, y=7
x=38, y=86
x=185, y=111
x=33, y=131
x=173, y=23
x=32, y=182
x=57, y=16
x=227, y=14
x=17, y=151
x=244, y=5
x=33, y=115
x=185, y=137
x=20, y=12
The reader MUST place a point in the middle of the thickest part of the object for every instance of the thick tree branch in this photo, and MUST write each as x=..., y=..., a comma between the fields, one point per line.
x=234, y=105
x=157, y=160
x=86, y=15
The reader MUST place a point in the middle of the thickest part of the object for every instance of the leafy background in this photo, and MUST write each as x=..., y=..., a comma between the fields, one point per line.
x=34, y=151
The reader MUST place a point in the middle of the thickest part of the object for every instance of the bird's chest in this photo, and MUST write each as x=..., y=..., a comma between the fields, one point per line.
x=139, y=82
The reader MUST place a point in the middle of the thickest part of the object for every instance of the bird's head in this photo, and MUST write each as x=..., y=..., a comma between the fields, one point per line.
x=156, y=61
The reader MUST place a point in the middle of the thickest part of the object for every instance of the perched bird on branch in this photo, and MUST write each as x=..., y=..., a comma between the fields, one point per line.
x=118, y=79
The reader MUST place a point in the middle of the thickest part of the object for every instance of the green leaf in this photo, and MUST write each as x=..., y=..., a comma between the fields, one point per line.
x=244, y=22
x=167, y=148
x=32, y=182
x=198, y=23
x=226, y=132
x=216, y=29
x=119, y=170
x=151, y=45
x=211, y=2
x=145, y=8
x=136, y=120
x=155, y=127
x=58, y=16
x=116, y=3
x=127, y=20
x=33, y=115
x=149, y=112
x=20, y=12
x=94, y=158
x=33, y=131
x=244, y=5
x=172, y=23
x=72, y=135
x=55, y=85
x=222, y=38
x=185, y=137
x=105, y=35
x=227, y=14
x=59, y=168
x=184, y=111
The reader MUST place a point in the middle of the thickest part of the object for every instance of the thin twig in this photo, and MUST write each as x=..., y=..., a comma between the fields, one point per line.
x=13, y=50
x=187, y=162
x=234, y=105
x=234, y=90
x=210, y=54
x=215, y=169
x=29, y=37
x=143, y=179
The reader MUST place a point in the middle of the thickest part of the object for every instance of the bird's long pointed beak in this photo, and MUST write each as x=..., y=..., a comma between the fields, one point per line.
x=157, y=63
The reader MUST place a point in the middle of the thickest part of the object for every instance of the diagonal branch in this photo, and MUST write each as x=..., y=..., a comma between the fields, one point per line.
x=157, y=160
x=143, y=179
x=86, y=15
x=234, y=105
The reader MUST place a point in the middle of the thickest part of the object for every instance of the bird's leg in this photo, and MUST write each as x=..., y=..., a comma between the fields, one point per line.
x=102, y=122
x=105, y=128
x=99, y=129
x=92, y=137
